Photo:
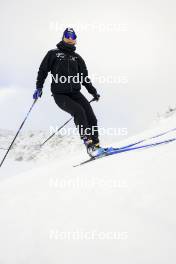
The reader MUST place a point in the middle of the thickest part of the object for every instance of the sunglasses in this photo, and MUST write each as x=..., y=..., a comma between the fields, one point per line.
x=70, y=35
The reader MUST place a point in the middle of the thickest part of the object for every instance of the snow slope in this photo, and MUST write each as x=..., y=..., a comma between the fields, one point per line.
x=116, y=209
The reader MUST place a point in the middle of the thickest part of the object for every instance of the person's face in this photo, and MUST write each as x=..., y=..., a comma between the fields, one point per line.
x=70, y=41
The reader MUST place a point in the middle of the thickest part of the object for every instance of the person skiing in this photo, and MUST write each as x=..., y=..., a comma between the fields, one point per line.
x=65, y=64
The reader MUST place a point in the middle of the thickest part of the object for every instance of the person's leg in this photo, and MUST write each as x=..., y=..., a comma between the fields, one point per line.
x=69, y=105
x=92, y=120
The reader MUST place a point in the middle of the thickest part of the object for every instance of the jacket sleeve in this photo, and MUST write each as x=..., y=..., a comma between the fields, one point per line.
x=44, y=68
x=86, y=80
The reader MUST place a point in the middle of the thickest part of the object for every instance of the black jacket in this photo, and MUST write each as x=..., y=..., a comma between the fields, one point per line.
x=63, y=61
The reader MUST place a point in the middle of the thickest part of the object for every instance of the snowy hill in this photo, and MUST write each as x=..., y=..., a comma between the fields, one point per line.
x=27, y=152
x=117, y=209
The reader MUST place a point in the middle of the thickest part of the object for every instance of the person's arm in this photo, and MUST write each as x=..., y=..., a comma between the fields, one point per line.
x=86, y=81
x=44, y=68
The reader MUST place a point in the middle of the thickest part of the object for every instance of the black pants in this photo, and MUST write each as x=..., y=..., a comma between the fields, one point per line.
x=79, y=107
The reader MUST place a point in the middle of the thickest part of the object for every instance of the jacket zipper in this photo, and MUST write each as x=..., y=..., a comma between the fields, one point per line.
x=69, y=74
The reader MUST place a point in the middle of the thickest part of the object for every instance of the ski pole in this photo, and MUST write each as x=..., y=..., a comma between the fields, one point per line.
x=41, y=145
x=17, y=133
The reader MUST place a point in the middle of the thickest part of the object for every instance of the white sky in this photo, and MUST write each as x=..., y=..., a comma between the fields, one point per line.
x=142, y=48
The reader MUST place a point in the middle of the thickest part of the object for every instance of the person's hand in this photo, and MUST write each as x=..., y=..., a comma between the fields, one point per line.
x=37, y=94
x=96, y=96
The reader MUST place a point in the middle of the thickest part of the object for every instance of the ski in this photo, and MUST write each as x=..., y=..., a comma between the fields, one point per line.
x=112, y=151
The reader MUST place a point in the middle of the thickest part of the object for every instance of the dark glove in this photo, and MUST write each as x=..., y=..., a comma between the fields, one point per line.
x=37, y=94
x=96, y=96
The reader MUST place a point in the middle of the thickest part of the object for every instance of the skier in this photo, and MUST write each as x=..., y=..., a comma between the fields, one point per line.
x=65, y=64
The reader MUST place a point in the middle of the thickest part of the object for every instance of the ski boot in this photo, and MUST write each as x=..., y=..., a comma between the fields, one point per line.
x=93, y=150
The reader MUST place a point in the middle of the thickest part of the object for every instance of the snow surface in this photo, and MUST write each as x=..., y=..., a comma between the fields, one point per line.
x=119, y=209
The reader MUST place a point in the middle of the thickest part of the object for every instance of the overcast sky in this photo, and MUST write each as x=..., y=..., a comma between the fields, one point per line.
x=133, y=41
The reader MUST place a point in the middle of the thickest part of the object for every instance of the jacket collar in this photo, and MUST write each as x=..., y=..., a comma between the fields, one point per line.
x=64, y=47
